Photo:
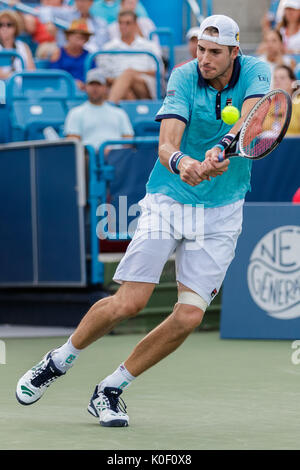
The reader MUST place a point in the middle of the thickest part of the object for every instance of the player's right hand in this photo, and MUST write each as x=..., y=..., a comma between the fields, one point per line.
x=193, y=172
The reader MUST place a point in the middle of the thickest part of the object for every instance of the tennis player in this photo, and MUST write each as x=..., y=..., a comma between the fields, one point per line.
x=186, y=174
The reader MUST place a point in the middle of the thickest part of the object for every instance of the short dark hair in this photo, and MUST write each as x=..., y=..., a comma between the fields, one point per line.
x=211, y=30
x=128, y=12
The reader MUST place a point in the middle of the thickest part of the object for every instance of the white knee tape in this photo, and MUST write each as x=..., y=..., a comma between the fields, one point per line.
x=191, y=298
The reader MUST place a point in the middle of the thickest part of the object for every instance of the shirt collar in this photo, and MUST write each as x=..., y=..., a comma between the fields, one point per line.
x=233, y=80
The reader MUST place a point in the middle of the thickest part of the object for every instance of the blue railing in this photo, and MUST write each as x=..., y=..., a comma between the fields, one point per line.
x=170, y=42
x=100, y=174
x=6, y=56
x=91, y=57
x=199, y=9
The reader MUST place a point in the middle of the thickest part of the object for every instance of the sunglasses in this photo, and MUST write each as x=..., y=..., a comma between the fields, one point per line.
x=8, y=25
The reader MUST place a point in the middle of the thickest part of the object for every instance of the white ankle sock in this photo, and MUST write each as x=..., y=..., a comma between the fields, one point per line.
x=121, y=378
x=65, y=356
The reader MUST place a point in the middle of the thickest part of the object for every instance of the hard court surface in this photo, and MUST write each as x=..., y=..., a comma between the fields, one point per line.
x=210, y=394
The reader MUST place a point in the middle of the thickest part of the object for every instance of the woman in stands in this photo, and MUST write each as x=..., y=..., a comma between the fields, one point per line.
x=72, y=56
x=274, y=51
x=10, y=28
x=289, y=27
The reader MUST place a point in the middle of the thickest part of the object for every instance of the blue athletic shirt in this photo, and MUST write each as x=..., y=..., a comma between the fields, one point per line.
x=192, y=100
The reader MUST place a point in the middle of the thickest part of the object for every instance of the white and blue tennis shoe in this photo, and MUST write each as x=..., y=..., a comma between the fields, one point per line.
x=32, y=386
x=109, y=407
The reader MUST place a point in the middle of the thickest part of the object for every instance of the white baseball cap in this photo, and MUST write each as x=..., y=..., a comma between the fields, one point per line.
x=291, y=4
x=193, y=33
x=94, y=75
x=229, y=33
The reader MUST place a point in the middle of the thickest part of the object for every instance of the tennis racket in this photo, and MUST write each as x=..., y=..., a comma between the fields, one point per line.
x=263, y=129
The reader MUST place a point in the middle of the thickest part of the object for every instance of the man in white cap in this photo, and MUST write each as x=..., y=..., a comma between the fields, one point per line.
x=187, y=174
x=96, y=120
x=192, y=38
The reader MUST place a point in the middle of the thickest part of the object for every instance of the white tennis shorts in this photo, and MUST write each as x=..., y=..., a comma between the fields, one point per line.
x=204, y=242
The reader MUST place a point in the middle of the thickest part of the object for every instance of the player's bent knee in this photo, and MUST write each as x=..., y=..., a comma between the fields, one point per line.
x=128, y=308
x=191, y=309
x=188, y=317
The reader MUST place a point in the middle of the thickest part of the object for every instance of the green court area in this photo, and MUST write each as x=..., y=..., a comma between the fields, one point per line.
x=210, y=394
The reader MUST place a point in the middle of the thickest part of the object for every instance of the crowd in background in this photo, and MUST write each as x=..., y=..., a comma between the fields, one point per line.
x=280, y=48
x=108, y=25
x=91, y=26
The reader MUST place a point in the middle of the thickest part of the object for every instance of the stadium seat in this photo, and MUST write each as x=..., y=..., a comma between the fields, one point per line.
x=37, y=130
x=41, y=63
x=7, y=55
x=37, y=100
x=142, y=116
x=29, y=118
x=41, y=84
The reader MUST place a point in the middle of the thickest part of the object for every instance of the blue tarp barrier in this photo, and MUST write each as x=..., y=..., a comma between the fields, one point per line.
x=277, y=177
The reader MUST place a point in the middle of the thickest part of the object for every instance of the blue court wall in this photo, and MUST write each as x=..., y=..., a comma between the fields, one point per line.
x=276, y=178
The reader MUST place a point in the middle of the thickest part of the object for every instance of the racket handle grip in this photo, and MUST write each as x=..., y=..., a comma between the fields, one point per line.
x=221, y=156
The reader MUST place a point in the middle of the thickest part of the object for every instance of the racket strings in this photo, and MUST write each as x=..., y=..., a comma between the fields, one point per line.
x=265, y=126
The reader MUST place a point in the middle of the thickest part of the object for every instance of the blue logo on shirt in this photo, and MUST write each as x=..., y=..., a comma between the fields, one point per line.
x=263, y=78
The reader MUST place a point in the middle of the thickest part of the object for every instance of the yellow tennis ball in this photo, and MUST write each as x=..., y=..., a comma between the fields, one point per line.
x=230, y=114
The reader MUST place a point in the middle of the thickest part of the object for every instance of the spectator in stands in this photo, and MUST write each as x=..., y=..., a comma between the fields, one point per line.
x=42, y=30
x=283, y=16
x=289, y=27
x=80, y=9
x=109, y=10
x=269, y=19
x=274, y=51
x=72, y=56
x=11, y=25
x=279, y=11
x=95, y=121
x=285, y=79
x=144, y=24
x=192, y=38
x=129, y=76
